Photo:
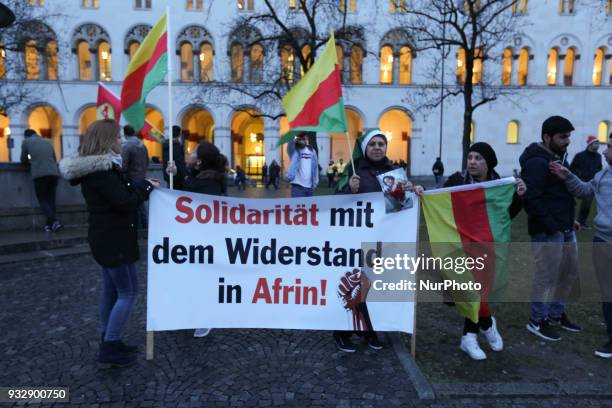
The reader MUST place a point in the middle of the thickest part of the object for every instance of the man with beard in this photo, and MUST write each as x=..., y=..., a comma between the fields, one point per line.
x=303, y=172
x=550, y=209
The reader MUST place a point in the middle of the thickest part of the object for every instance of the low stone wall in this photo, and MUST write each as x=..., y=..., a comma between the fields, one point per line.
x=19, y=207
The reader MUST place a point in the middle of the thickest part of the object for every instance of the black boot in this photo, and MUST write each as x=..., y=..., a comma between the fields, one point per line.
x=124, y=348
x=111, y=356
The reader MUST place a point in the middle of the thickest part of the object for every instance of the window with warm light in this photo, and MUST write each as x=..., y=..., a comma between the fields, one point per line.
x=356, y=64
x=194, y=5
x=566, y=6
x=186, y=51
x=90, y=4
x=287, y=64
x=104, y=61
x=478, y=57
x=551, y=68
x=340, y=59
x=237, y=52
x=386, y=65
x=84, y=58
x=36, y=2
x=519, y=7
x=474, y=4
x=523, y=67
x=352, y=6
x=405, y=68
x=205, y=59
x=472, y=132
x=608, y=7
x=305, y=54
x=397, y=6
x=568, y=67
x=603, y=132
x=257, y=64
x=598, y=65
x=460, y=70
x=507, y=66
x=2, y=61
x=132, y=48
x=512, y=136
x=295, y=5
x=52, y=60
x=248, y=5
x=31, y=60
x=142, y=4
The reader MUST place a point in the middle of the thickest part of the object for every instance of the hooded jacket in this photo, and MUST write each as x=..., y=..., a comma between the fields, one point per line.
x=549, y=205
x=112, y=204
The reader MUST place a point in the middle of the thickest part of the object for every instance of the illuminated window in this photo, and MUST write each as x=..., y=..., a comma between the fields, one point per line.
x=352, y=6
x=356, y=64
x=90, y=4
x=237, y=62
x=194, y=5
x=246, y=5
x=405, y=68
x=519, y=7
x=340, y=59
x=472, y=132
x=186, y=62
x=566, y=6
x=36, y=2
x=142, y=4
x=608, y=7
x=568, y=67
x=507, y=67
x=306, y=54
x=132, y=48
x=397, y=6
x=295, y=5
x=477, y=75
x=257, y=61
x=513, y=133
x=475, y=4
x=104, y=61
x=206, y=62
x=460, y=70
x=2, y=61
x=603, y=132
x=52, y=61
x=31, y=60
x=287, y=64
x=551, y=69
x=598, y=66
x=84, y=57
x=523, y=67
x=386, y=65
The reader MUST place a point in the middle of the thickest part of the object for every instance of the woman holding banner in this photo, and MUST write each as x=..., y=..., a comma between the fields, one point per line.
x=112, y=203
x=369, y=162
x=481, y=162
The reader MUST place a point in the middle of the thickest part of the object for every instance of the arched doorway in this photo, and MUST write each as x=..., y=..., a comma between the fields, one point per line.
x=197, y=125
x=155, y=118
x=48, y=123
x=339, y=147
x=5, y=134
x=88, y=116
x=397, y=125
x=248, y=141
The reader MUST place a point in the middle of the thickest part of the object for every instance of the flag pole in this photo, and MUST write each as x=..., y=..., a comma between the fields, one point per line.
x=170, y=133
x=348, y=141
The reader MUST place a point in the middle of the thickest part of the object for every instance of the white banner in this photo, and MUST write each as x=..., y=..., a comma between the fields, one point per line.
x=294, y=263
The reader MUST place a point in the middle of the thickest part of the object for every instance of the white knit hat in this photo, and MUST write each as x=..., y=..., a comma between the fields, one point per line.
x=369, y=136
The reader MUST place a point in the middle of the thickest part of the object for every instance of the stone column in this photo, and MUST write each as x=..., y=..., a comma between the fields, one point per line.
x=223, y=140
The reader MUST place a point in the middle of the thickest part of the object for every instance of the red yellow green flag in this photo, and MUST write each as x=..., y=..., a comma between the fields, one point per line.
x=147, y=69
x=465, y=217
x=315, y=104
x=108, y=105
x=150, y=132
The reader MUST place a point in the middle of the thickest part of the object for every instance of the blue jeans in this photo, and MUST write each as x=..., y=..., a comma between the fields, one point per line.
x=119, y=290
x=602, y=259
x=301, y=191
x=556, y=270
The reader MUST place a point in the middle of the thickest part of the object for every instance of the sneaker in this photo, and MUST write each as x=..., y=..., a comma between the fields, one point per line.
x=344, y=343
x=373, y=341
x=56, y=226
x=469, y=344
x=201, y=332
x=543, y=329
x=565, y=323
x=493, y=337
x=605, y=351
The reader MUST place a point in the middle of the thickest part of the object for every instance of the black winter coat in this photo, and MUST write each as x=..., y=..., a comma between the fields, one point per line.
x=207, y=182
x=112, y=203
x=586, y=164
x=368, y=183
x=549, y=205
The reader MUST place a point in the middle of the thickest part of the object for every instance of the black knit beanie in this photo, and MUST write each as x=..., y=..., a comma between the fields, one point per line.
x=487, y=152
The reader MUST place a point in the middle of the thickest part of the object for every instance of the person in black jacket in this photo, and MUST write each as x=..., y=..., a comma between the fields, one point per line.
x=550, y=211
x=585, y=165
x=481, y=162
x=178, y=157
x=438, y=170
x=112, y=204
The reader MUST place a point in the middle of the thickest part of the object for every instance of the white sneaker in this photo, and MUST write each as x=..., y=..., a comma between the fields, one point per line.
x=493, y=337
x=201, y=332
x=469, y=344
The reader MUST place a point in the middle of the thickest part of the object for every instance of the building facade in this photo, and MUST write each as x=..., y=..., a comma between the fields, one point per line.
x=561, y=65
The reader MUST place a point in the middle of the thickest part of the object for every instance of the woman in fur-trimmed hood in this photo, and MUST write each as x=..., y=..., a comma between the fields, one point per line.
x=112, y=204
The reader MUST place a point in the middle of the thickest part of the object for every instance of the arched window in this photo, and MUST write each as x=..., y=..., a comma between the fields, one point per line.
x=250, y=5
x=206, y=62
x=603, y=131
x=132, y=48
x=397, y=6
x=598, y=66
x=51, y=53
x=507, y=67
x=523, y=66
x=568, y=67
x=104, y=61
x=194, y=5
x=478, y=56
x=356, y=64
x=472, y=132
x=386, y=65
x=2, y=60
x=186, y=62
x=566, y=6
x=340, y=59
x=522, y=10
x=405, y=68
x=237, y=63
x=31, y=60
x=84, y=56
x=306, y=54
x=513, y=132
x=551, y=69
x=257, y=61
x=352, y=6
x=608, y=7
x=287, y=67
x=460, y=70
x=475, y=6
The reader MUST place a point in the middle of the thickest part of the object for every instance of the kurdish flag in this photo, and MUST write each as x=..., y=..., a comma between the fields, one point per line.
x=315, y=103
x=150, y=132
x=147, y=69
x=469, y=220
x=108, y=105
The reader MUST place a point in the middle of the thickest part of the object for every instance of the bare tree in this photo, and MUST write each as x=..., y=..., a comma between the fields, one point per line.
x=478, y=30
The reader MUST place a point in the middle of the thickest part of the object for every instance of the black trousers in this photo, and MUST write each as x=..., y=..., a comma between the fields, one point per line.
x=45, y=193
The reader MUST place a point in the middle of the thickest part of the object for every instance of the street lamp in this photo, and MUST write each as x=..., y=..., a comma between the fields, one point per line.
x=6, y=16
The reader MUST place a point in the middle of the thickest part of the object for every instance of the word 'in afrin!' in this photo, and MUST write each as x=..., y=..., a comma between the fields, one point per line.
x=291, y=294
